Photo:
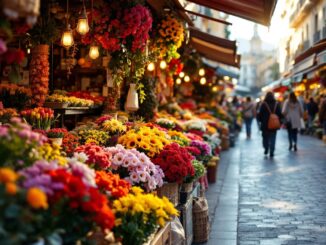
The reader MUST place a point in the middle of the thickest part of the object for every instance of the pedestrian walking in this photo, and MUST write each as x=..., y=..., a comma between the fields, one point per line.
x=293, y=113
x=312, y=108
x=248, y=113
x=269, y=116
x=322, y=115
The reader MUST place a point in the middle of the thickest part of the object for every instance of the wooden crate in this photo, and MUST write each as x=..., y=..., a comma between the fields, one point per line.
x=186, y=220
x=163, y=236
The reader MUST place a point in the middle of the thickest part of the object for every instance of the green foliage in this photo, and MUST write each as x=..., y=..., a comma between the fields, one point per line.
x=134, y=230
x=149, y=103
x=45, y=31
x=199, y=171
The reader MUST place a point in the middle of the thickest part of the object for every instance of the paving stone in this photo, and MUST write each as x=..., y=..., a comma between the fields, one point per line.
x=273, y=202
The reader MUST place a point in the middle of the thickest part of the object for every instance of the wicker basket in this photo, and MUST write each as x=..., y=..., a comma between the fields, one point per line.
x=171, y=191
x=200, y=220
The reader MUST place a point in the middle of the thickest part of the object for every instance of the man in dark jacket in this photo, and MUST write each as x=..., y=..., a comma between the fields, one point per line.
x=268, y=106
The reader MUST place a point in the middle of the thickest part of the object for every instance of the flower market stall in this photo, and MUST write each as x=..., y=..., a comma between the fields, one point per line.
x=103, y=138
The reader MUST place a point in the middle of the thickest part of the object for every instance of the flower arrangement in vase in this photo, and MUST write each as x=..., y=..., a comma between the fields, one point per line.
x=56, y=135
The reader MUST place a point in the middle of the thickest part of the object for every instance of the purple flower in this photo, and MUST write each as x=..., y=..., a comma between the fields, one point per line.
x=3, y=47
x=204, y=148
x=83, y=171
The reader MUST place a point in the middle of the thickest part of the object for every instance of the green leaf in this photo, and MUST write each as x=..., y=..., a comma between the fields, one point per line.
x=12, y=211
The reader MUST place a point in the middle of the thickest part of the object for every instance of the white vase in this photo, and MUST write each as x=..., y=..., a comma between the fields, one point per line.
x=57, y=141
x=132, y=99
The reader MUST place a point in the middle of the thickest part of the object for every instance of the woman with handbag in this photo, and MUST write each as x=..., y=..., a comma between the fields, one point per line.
x=293, y=113
x=248, y=113
x=269, y=116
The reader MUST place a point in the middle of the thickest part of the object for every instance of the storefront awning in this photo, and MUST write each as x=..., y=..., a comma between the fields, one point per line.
x=259, y=11
x=220, y=71
x=214, y=48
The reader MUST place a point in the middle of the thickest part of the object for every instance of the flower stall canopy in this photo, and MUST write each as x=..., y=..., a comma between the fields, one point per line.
x=259, y=11
x=215, y=48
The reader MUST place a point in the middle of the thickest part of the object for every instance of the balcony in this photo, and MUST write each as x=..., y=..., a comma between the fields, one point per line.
x=306, y=45
x=316, y=37
x=301, y=11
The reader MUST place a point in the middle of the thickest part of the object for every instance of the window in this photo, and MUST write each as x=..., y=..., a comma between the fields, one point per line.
x=316, y=22
x=324, y=16
x=307, y=32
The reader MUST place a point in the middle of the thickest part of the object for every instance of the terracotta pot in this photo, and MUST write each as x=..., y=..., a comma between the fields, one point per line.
x=132, y=99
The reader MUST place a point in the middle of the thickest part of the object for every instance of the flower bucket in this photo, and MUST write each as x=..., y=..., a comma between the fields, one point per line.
x=132, y=99
x=57, y=141
x=212, y=170
x=186, y=187
x=171, y=191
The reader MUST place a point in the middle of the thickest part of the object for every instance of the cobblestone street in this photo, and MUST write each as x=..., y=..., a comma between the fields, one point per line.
x=270, y=202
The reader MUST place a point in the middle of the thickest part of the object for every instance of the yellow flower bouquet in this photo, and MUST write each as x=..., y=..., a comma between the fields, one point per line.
x=70, y=100
x=145, y=139
x=171, y=36
x=113, y=126
x=140, y=211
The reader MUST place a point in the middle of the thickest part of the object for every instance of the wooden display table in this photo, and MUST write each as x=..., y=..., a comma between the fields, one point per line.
x=163, y=236
x=75, y=111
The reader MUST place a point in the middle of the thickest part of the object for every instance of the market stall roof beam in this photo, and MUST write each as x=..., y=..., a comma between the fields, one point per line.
x=207, y=17
x=259, y=11
x=160, y=6
x=214, y=48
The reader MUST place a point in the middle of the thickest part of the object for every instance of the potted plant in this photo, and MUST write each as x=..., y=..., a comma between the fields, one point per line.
x=56, y=135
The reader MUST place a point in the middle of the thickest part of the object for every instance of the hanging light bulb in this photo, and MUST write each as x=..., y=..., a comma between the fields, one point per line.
x=163, y=64
x=181, y=74
x=151, y=66
x=67, y=39
x=214, y=89
x=178, y=81
x=203, y=81
x=201, y=72
x=82, y=25
x=94, y=52
x=187, y=78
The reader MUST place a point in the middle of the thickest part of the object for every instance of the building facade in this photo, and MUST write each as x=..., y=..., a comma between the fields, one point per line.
x=299, y=50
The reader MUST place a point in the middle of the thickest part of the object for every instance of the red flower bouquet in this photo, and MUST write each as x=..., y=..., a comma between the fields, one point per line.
x=112, y=184
x=83, y=201
x=123, y=26
x=97, y=156
x=175, y=161
x=69, y=143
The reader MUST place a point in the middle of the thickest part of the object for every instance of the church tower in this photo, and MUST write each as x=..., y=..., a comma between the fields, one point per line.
x=255, y=42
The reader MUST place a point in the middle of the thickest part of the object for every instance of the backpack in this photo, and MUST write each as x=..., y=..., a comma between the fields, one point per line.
x=273, y=120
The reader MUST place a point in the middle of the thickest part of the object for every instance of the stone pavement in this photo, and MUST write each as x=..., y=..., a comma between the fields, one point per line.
x=259, y=201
